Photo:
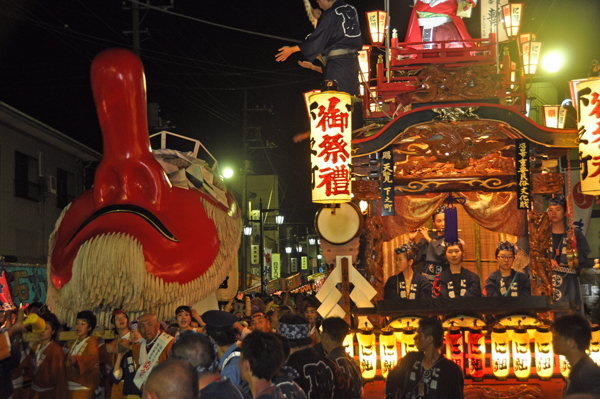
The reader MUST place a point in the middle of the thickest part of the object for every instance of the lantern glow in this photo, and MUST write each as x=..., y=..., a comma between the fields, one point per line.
x=521, y=354
x=455, y=346
x=531, y=56
x=564, y=365
x=330, y=137
x=595, y=344
x=387, y=351
x=408, y=340
x=500, y=352
x=589, y=150
x=544, y=355
x=368, y=353
x=377, y=25
x=511, y=16
x=551, y=114
x=476, y=339
x=349, y=344
x=364, y=57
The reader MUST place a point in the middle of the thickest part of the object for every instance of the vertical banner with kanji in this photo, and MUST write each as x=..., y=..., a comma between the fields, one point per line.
x=490, y=10
x=523, y=175
x=582, y=203
x=588, y=123
x=275, y=266
x=387, y=182
x=304, y=262
x=330, y=141
x=266, y=272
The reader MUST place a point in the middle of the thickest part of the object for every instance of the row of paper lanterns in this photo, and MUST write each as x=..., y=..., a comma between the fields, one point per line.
x=504, y=342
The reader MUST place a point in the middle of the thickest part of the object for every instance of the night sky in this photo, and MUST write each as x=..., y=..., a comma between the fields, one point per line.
x=197, y=73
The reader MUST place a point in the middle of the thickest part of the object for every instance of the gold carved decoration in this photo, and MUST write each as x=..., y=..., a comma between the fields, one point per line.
x=524, y=391
x=417, y=186
x=539, y=242
x=548, y=183
x=454, y=114
x=490, y=183
x=437, y=84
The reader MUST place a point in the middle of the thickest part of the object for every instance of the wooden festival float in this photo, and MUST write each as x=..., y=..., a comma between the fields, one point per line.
x=440, y=121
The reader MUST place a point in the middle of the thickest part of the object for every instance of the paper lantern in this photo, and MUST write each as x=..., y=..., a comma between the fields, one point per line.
x=588, y=119
x=511, y=16
x=364, y=62
x=330, y=139
x=377, y=25
x=595, y=344
x=544, y=355
x=368, y=353
x=455, y=346
x=564, y=365
x=521, y=355
x=562, y=117
x=408, y=340
x=387, y=351
x=349, y=344
x=531, y=56
x=476, y=340
x=551, y=114
x=500, y=352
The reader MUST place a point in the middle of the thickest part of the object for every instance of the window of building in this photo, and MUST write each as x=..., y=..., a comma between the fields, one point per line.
x=66, y=188
x=27, y=182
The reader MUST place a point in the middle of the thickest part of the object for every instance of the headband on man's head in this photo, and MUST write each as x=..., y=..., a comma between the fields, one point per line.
x=402, y=249
x=440, y=209
x=199, y=369
x=558, y=200
x=506, y=246
x=294, y=331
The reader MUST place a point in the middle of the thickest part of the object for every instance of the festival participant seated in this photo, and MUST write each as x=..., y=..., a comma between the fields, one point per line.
x=426, y=373
x=456, y=281
x=571, y=336
x=408, y=283
x=433, y=249
x=138, y=359
x=221, y=327
x=198, y=350
x=172, y=379
x=565, y=279
x=506, y=281
x=82, y=361
x=46, y=362
x=310, y=365
x=335, y=330
x=262, y=356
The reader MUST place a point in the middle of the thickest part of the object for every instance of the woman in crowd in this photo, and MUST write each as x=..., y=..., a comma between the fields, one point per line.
x=407, y=283
x=456, y=281
x=506, y=281
x=82, y=361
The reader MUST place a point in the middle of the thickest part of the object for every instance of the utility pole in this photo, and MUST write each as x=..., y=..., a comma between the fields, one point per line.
x=135, y=23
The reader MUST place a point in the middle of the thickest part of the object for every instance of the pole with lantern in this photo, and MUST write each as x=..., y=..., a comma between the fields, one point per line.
x=264, y=271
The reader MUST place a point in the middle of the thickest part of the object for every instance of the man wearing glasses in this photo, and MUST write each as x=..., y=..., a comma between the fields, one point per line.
x=506, y=281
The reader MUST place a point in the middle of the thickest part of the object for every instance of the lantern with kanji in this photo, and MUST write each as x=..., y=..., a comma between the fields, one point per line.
x=511, y=16
x=368, y=353
x=588, y=117
x=500, y=352
x=595, y=344
x=544, y=355
x=408, y=340
x=377, y=26
x=530, y=56
x=551, y=114
x=349, y=344
x=364, y=73
x=521, y=355
x=476, y=340
x=330, y=139
x=564, y=365
x=387, y=351
x=455, y=346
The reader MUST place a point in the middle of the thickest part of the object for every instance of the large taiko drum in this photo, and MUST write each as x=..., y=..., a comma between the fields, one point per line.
x=339, y=224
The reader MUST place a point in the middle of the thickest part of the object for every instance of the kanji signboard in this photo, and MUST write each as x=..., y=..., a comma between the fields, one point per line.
x=330, y=140
x=589, y=128
x=523, y=176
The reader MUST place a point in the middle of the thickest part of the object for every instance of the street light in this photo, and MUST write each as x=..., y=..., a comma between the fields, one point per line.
x=247, y=230
x=312, y=241
x=279, y=219
x=288, y=250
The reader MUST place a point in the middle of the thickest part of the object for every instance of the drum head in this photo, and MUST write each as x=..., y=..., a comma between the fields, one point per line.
x=339, y=225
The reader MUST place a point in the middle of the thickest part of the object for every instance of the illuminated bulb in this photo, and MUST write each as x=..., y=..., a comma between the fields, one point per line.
x=553, y=61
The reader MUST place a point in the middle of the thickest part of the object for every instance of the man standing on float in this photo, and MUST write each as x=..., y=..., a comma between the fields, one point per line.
x=336, y=40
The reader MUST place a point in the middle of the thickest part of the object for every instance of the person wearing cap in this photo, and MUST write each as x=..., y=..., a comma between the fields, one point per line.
x=46, y=363
x=456, y=281
x=310, y=366
x=432, y=250
x=426, y=373
x=407, y=284
x=224, y=329
x=82, y=361
x=565, y=279
x=198, y=350
x=335, y=330
x=506, y=282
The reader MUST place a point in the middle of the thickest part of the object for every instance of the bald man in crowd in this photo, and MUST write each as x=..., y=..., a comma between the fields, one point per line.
x=172, y=379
